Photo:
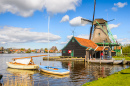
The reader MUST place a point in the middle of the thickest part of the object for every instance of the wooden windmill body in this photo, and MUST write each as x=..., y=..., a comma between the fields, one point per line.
x=100, y=33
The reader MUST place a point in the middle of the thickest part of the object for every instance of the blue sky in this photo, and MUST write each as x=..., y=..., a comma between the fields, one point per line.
x=24, y=23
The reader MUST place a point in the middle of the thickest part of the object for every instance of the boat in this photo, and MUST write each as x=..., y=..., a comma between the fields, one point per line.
x=54, y=70
x=54, y=76
x=23, y=63
x=49, y=69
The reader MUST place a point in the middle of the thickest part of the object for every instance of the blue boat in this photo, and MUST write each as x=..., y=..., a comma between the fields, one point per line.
x=54, y=70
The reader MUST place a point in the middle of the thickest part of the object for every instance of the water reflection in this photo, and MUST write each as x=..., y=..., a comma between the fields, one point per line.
x=80, y=72
x=20, y=77
x=54, y=76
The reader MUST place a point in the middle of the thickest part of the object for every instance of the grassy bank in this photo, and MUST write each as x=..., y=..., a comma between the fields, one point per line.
x=121, y=78
x=121, y=57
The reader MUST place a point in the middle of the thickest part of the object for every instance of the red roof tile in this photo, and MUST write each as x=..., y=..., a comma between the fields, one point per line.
x=86, y=42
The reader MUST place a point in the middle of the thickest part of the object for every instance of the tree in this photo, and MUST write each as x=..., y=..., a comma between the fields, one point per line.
x=46, y=50
x=41, y=48
x=126, y=48
x=54, y=48
x=28, y=51
x=22, y=49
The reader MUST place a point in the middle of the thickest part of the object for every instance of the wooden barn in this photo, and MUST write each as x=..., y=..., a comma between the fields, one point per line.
x=76, y=47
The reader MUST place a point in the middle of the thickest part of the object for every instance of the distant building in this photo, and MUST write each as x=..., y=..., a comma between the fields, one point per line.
x=38, y=51
x=1, y=49
x=51, y=51
x=118, y=49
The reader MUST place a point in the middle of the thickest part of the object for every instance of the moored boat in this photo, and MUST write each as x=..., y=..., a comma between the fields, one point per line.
x=54, y=70
x=23, y=63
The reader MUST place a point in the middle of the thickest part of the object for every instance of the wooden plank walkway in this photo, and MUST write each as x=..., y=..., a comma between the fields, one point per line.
x=64, y=59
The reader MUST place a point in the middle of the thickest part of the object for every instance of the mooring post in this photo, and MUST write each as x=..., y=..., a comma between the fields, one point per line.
x=85, y=58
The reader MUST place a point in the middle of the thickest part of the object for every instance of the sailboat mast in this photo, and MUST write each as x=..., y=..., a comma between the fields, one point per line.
x=48, y=36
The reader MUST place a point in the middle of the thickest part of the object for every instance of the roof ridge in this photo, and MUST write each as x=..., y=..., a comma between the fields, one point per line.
x=81, y=38
x=96, y=48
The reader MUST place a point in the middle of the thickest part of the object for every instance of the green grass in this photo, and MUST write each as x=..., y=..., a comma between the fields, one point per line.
x=121, y=78
x=120, y=57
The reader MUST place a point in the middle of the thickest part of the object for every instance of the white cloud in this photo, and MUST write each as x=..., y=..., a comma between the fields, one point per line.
x=56, y=42
x=120, y=5
x=3, y=42
x=65, y=18
x=77, y=22
x=26, y=8
x=83, y=36
x=124, y=41
x=114, y=8
x=23, y=35
x=69, y=37
x=113, y=26
x=63, y=42
x=115, y=36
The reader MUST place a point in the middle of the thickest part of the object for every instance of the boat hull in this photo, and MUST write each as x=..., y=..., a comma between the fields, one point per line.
x=60, y=71
x=18, y=66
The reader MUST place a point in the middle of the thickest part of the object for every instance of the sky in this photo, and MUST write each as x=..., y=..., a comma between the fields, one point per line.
x=24, y=23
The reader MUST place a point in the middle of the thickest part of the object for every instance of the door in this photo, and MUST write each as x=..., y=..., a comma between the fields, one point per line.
x=72, y=53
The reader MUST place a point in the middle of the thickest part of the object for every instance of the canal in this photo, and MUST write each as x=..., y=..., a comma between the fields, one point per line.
x=80, y=72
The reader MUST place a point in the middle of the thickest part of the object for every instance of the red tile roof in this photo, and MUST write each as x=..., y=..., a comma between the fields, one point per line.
x=112, y=51
x=99, y=48
x=86, y=42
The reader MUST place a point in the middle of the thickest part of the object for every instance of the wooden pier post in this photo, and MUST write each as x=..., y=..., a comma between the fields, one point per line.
x=85, y=58
x=88, y=60
x=100, y=57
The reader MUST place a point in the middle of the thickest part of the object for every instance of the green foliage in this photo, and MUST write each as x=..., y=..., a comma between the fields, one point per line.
x=46, y=49
x=121, y=78
x=22, y=49
x=28, y=51
x=126, y=48
x=121, y=57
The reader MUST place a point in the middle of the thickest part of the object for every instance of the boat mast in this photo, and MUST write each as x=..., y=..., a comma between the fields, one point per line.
x=48, y=37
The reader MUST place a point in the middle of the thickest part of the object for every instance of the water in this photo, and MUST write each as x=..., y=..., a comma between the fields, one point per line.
x=80, y=72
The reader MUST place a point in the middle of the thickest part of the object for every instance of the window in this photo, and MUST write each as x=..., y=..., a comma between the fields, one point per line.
x=102, y=26
x=99, y=34
x=63, y=51
x=73, y=40
x=106, y=53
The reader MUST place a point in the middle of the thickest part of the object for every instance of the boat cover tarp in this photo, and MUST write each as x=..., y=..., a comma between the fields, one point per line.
x=22, y=61
x=60, y=70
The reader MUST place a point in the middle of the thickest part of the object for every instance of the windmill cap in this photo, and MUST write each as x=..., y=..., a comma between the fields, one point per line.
x=100, y=21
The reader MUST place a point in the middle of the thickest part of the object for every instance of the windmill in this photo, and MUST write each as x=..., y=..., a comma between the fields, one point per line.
x=101, y=32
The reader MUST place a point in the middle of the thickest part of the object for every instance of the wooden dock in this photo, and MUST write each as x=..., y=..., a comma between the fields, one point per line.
x=115, y=62
x=64, y=59
x=112, y=61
